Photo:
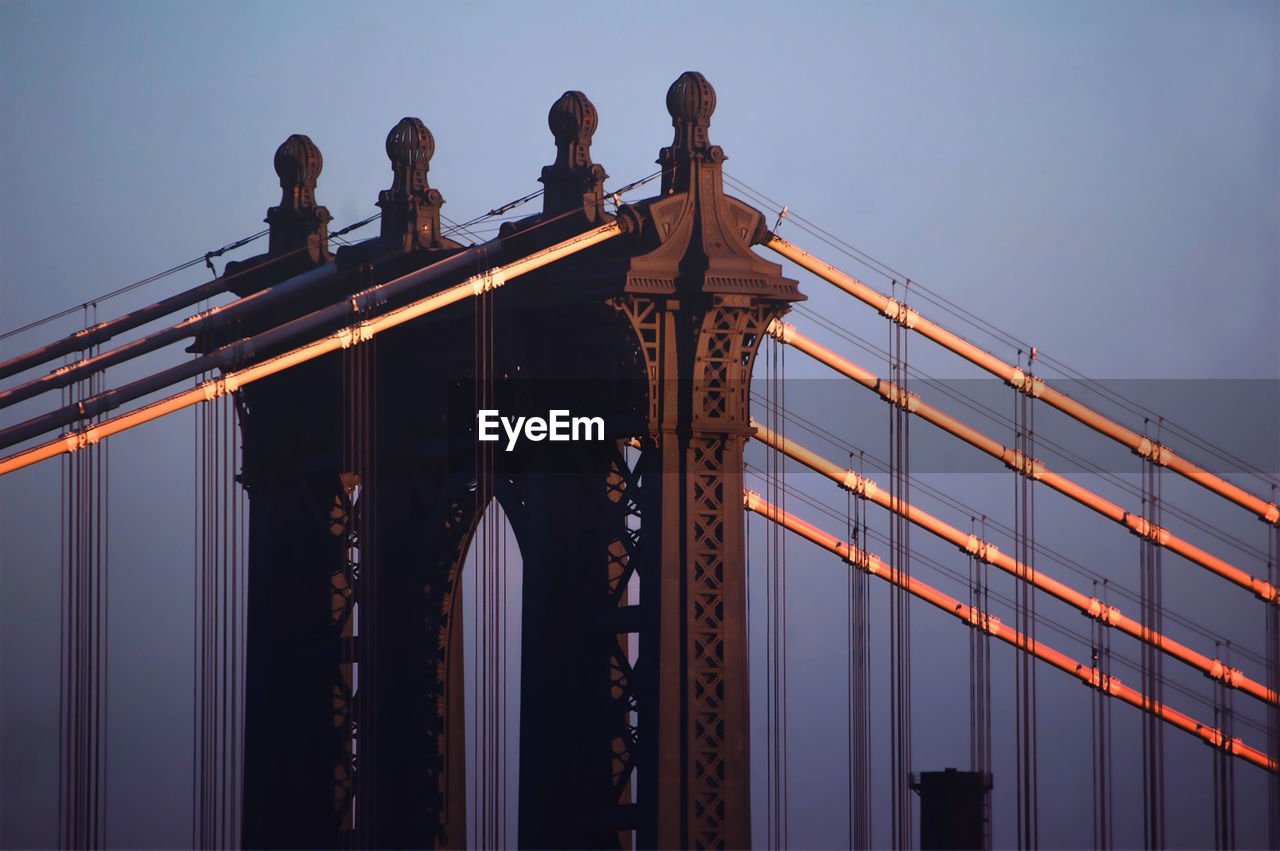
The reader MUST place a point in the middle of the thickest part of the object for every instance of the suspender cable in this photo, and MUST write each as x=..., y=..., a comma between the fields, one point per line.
x=368, y=301
x=1100, y=721
x=227, y=357
x=1223, y=775
x=234, y=624
x=192, y=326
x=1087, y=674
x=99, y=333
x=1152, y=669
x=900, y=605
x=77, y=439
x=217, y=594
x=1025, y=608
x=1204, y=702
x=208, y=320
x=1091, y=607
x=1273, y=681
x=83, y=680
x=1059, y=558
x=359, y=464
x=859, y=685
x=1017, y=378
x=1210, y=530
x=981, y=759
x=1136, y=524
x=776, y=628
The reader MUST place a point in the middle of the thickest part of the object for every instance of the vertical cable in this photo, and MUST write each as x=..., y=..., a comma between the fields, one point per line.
x=1229, y=762
x=851, y=615
x=784, y=725
x=980, y=680
x=1272, y=615
x=488, y=808
x=897, y=781
x=83, y=640
x=1108, y=822
x=1152, y=659
x=362, y=464
x=775, y=578
x=217, y=621
x=1025, y=606
x=359, y=393
x=859, y=683
x=1097, y=721
x=1027, y=556
x=1219, y=758
x=234, y=625
x=900, y=608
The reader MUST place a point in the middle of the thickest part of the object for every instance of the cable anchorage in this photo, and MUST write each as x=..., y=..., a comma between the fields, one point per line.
x=1103, y=613
x=1108, y=684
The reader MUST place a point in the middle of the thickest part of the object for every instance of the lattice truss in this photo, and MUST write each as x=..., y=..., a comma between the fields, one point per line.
x=623, y=488
x=344, y=580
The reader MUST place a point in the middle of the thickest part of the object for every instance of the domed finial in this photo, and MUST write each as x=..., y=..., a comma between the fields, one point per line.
x=298, y=160
x=691, y=99
x=298, y=164
x=410, y=144
x=411, y=208
x=573, y=181
x=297, y=222
x=410, y=147
x=573, y=119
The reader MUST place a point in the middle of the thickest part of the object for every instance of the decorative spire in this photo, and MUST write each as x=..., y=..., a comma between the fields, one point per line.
x=411, y=208
x=297, y=222
x=410, y=147
x=690, y=101
x=694, y=237
x=573, y=181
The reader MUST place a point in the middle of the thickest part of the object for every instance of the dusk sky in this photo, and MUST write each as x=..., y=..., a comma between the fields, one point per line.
x=1100, y=180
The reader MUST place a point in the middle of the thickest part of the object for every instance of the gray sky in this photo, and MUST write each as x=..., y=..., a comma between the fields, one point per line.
x=1101, y=180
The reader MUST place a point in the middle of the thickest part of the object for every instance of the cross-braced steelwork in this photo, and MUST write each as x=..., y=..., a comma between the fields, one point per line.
x=667, y=320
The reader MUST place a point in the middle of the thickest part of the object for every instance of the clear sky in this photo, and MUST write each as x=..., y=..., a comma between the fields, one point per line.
x=1100, y=179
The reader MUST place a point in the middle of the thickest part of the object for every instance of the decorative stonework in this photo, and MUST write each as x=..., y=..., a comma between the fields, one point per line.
x=297, y=223
x=411, y=208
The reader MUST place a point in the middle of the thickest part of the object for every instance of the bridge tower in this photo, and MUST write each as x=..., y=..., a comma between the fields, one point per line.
x=367, y=483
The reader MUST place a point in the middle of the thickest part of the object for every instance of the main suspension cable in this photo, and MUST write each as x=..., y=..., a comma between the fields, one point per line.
x=1016, y=377
x=863, y=560
x=1039, y=547
x=894, y=394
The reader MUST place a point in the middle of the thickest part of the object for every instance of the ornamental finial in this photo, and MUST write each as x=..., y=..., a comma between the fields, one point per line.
x=691, y=100
x=573, y=181
x=298, y=164
x=411, y=208
x=410, y=147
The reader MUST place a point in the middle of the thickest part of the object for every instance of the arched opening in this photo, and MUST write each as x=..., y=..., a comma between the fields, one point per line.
x=491, y=586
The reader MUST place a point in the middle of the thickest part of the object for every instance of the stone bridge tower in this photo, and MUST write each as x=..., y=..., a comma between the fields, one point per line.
x=367, y=483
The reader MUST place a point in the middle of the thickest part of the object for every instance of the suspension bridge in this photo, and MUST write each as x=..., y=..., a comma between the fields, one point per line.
x=405, y=634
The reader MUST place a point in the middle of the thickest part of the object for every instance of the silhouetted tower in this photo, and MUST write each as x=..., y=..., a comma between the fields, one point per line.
x=367, y=483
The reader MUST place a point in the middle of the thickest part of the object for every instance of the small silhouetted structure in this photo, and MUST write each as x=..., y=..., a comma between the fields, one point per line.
x=954, y=809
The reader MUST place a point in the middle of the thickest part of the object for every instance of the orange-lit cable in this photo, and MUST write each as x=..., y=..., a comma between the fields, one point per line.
x=978, y=619
x=971, y=544
x=1136, y=524
x=79, y=438
x=1031, y=385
